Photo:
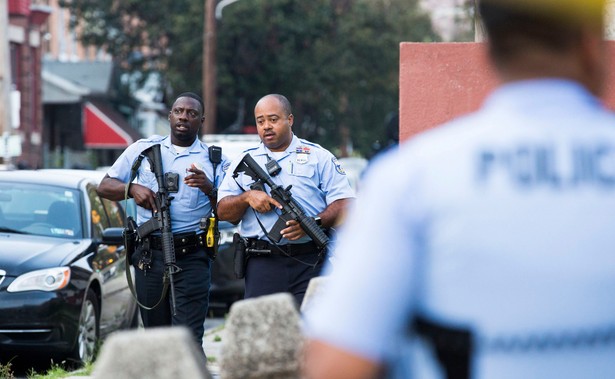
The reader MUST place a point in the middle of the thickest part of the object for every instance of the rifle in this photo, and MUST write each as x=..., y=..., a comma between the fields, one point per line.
x=161, y=220
x=291, y=209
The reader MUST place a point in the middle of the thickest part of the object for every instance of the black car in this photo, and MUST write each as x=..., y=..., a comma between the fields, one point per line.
x=63, y=280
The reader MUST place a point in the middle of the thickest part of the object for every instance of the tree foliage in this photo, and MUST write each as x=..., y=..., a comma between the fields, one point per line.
x=336, y=60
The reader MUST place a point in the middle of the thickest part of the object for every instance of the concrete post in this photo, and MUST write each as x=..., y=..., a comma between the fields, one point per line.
x=263, y=339
x=156, y=353
x=315, y=287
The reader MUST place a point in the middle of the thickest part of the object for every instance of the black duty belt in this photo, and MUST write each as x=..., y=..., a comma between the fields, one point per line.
x=184, y=243
x=256, y=247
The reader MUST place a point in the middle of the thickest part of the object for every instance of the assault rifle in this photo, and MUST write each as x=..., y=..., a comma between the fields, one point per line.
x=161, y=220
x=291, y=210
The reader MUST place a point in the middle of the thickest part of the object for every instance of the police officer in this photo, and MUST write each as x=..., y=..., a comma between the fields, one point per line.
x=496, y=230
x=185, y=155
x=319, y=185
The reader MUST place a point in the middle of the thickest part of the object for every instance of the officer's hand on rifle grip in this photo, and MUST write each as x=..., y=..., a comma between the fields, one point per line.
x=293, y=232
x=143, y=196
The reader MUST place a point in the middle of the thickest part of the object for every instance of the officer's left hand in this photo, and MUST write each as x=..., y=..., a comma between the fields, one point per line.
x=292, y=231
x=198, y=179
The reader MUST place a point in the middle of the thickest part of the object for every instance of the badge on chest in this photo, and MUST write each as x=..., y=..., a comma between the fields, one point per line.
x=303, y=154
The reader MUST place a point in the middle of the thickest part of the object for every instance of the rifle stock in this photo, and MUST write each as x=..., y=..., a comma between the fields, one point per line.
x=291, y=209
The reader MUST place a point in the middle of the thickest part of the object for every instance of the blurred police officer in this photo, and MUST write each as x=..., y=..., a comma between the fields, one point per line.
x=495, y=231
x=319, y=185
x=185, y=155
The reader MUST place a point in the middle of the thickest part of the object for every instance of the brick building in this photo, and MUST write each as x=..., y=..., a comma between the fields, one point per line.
x=61, y=91
x=24, y=35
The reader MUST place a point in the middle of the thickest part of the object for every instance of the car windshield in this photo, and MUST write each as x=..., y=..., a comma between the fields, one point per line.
x=40, y=209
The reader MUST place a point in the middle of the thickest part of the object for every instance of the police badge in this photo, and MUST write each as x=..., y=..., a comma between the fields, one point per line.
x=303, y=154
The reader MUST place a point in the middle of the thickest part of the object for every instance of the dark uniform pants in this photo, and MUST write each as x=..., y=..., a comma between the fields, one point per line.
x=275, y=273
x=191, y=292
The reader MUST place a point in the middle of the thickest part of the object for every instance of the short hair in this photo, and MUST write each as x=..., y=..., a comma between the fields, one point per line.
x=194, y=96
x=510, y=30
x=286, y=107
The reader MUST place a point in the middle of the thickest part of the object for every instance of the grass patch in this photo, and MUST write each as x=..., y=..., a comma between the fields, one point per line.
x=6, y=371
x=57, y=371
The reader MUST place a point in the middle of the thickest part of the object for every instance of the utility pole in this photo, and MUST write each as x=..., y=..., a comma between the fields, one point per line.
x=209, y=67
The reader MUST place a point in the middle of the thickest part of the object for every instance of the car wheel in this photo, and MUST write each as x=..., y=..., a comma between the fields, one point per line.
x=87, y=338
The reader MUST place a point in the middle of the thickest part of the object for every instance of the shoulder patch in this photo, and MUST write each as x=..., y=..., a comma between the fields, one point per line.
x=338, y=166
x=226, y=165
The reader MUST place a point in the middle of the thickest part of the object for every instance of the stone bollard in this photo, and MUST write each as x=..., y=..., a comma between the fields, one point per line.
x=263, y=339
x=157, y=353
x=314, y=288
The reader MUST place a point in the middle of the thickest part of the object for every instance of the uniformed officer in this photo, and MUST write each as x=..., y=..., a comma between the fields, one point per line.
x=319, y=185
x=495, y=231
x=185, y=155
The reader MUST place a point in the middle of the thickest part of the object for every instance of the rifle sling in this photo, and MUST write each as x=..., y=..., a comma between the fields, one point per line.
x=142, y=231
x=165, y=286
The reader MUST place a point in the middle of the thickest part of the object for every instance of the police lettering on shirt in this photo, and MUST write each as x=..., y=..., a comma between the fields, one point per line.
x=533, y=165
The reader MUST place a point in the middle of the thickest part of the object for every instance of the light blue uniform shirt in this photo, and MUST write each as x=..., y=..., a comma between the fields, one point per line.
x=316, y=177
x=189, y=204
x=502, y=222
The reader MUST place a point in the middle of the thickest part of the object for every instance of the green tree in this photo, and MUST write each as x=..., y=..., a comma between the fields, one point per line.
x=336, y=60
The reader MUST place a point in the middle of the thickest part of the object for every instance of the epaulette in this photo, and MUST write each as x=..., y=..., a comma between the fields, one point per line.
x=152, y=139
x=306, y=142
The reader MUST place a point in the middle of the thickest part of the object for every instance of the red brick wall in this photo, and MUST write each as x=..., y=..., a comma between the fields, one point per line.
x=439, y=81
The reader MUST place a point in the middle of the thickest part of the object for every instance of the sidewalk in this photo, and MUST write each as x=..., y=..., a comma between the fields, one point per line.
x=212, y=343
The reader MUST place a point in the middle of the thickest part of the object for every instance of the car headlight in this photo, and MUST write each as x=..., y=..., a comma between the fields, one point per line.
x=50, y=279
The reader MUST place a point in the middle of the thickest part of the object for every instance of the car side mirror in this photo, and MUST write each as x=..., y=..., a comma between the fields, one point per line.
x=113, y=236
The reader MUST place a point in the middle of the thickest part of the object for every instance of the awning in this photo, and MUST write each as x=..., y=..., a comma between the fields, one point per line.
x=104, y=128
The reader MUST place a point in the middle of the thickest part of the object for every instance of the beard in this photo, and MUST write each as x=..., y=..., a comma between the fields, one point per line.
x=184, y=136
